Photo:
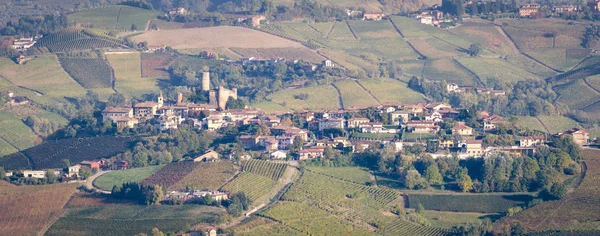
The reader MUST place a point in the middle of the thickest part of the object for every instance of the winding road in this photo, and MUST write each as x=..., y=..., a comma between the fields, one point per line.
x=89, y=182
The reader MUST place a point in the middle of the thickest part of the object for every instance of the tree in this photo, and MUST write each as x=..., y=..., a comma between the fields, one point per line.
x=133, y=27
x=464, y=181
x=235, y=103
x=414, y=180
x=116, y=100
x=474, y=50
x=2, y=173
x=157, y=232
x=66, y=163
x=420, y=209
x=328, y=153
x=50, y=176
x=154, y=196
x=432, y=174
x=85, y=172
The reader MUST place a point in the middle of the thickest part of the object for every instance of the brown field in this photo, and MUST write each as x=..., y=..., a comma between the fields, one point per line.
x=287, y=53
x=27, y=210
x=90, y=200
x=214, y=37
x=580, y=206
x=154, y=65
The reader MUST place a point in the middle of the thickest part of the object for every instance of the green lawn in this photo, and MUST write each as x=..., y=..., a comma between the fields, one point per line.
x=353, y=174
x=319, y=97
x=530, y=122
x=15, y=132
x=128, y=74
x=495, y=68
x=355, y=96
x=577, y=95
x=43, y=74
x=119, y=177
x=558, y=124
x=110, y=18
x=390, y=90
x=449, y=220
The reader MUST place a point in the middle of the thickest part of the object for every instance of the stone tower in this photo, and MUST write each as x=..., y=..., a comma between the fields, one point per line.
x=205, y=81
x=161, y=99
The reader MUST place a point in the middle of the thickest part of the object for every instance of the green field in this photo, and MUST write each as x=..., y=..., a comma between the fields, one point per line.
x=341, y=31
x=355, y=96
x=15, y=132
x=449, y=220
x=488, y=36
x=447, y=69
x=577, y=95
x=319, y=97
x=312, y=220
x=6, y=148
x=114, y=17
x=373, y=29
x=495, y=68
x=594, y=81
x=43, y=74
x=555, y=58
x=119, y=177
x=558, y=124
x=529, y=122
x=411, y=68
x=262, y=226
x=521, y=61
x=253, y=185
x=390, y=90
x=484, y=203
x=352, y=174
x=89, y=73
x=434, y=48
x=128, y=74
x=132, y=219
x=269, y=107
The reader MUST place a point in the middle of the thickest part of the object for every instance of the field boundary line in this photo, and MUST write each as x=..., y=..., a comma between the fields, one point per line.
x=118, y=16
x=516, y=50
x=589, y=85
x=468, y=71
x=368, y=91
x=341, y=101
x=351, y=30
x=544, y=125
x=503, y=31
x=406, y=40
x=59, y=215
x=330, y=29
x=586, y=107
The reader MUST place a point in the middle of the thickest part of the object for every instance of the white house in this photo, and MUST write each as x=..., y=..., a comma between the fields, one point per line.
x=278, y=155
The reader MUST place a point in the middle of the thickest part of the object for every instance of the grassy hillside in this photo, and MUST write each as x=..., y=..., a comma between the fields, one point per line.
x=557, y=124
x=319, y=97
x=495, y=68
x=355, y=96
x=114, y=17
x=128, y=74
x=390, y=90
x=449, y=70
x=119, y=177
x=43, y=74
x=577, y=94
x=14, y=132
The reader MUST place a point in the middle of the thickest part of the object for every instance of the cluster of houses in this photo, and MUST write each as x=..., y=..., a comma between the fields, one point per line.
x=532, y=10
x=454, y=88
x=72, y=172
x=22, y=44
x=13, y=99
x=195, y=195
x=432, y=17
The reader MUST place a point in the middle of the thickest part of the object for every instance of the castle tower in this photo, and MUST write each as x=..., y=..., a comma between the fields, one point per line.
x=161, y=99
x=179, y=98
x=205, y=81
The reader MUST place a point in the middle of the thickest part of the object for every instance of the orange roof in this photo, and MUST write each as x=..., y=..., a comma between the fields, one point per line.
x=461, y=126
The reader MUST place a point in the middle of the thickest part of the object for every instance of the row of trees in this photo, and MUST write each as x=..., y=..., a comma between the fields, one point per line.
x=143, y=194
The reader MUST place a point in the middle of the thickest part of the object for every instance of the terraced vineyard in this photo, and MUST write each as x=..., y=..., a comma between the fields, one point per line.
x=170, y=174
x=253, y=185
x=399, y=227
x=488, y=203
x=90, y=73
x=76, y=38
x=268, y=169
x=311, y=220
x=207, y=175
x=51, y=153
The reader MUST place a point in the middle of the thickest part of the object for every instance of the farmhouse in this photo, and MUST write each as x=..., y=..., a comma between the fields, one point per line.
x=327, y=64
x=491, y=122
x=399, y=117
x=91, y=164
x=531, y=141
x=278, y=155
x=310, y=153
x=565, y=8
x=431, y=107
x=472, y=147
x=355, y=122
x=462, y=129
x=38, y=174
x=331, y=124
x=434, y=116
x=215, y=195
x=204, y=231
x=529, y=10
x=74, y=170
x=373, y=16
x=580, y=136
x=178, y=11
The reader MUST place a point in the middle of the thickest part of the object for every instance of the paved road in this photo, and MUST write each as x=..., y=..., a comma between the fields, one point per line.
x=89, y=183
